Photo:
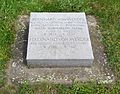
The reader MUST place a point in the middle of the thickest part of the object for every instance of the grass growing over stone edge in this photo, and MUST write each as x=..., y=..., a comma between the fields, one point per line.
x=107, y=11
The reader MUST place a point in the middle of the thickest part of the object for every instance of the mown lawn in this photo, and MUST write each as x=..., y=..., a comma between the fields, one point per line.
x=106, y=11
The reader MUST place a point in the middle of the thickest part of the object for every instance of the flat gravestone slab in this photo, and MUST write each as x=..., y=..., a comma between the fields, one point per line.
x=59, y=40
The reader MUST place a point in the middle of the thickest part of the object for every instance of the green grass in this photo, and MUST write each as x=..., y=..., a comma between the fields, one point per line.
x=106, y=11
x=75, y=88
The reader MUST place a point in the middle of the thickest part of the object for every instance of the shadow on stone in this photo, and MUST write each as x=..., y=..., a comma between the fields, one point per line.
x=25, y=45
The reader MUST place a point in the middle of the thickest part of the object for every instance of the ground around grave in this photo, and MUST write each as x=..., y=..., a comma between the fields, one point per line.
x=107, y=14
x=19, y=72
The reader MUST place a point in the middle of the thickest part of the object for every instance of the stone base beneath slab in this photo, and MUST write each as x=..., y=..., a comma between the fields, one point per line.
x=59, y=63
x=18, y=71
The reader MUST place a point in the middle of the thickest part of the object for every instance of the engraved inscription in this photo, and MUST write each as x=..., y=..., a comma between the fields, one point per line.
x=53, y=33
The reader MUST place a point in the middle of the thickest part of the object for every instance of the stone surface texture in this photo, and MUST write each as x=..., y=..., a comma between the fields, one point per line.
x=59, y=40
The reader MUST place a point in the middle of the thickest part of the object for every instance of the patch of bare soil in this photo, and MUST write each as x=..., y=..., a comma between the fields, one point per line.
x=18, y=70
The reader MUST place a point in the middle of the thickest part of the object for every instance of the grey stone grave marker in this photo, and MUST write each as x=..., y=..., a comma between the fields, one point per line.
x=59, y=40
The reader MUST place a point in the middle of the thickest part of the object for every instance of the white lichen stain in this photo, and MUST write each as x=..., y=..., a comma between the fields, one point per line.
x=14, y=64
